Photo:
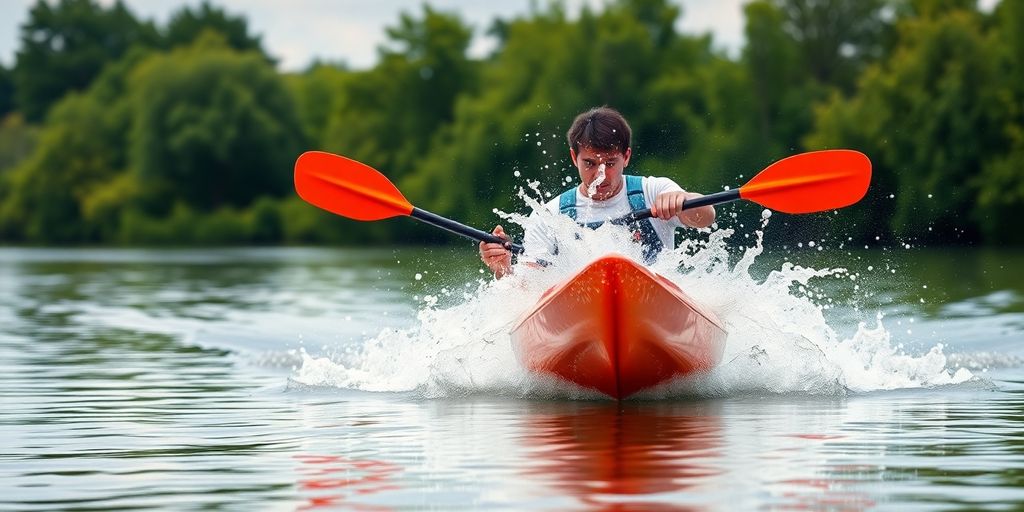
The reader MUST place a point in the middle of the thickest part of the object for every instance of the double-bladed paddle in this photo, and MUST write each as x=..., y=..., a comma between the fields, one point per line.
x=355, y=190
x=803, y=183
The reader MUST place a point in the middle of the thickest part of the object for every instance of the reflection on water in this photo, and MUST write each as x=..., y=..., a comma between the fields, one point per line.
x=160, y=380
x=330, y=481
x=618, y=456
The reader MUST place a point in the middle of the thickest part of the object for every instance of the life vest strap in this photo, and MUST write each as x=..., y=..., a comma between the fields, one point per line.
x=643, y=229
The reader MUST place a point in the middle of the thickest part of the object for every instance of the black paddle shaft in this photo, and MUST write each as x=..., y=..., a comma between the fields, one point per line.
x=483, y=236
x=718, y=197
x=462, y=229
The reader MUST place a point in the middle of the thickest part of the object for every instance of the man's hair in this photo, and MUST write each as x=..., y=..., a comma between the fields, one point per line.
x=601, y=128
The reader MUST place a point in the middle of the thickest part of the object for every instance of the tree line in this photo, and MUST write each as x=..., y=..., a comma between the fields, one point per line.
x=115, y=130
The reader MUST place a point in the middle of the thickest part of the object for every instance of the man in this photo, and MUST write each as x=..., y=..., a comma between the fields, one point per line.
x=599, y=145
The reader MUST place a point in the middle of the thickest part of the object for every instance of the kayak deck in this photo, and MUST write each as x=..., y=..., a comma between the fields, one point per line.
x=618, y=328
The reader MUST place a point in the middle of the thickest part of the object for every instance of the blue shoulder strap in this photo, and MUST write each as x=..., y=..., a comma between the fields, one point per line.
x=644, y=230
x=635, y=192
x=567, y=203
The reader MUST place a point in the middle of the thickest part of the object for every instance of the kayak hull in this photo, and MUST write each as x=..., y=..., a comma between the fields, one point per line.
x=618, y=328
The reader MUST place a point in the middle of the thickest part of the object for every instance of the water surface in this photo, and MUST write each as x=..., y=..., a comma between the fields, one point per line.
x=345, y=379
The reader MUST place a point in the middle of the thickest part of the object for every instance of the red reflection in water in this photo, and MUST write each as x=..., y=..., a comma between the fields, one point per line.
x=830, y=495
x=616, y=456
x=829, y=492
x=336, y=479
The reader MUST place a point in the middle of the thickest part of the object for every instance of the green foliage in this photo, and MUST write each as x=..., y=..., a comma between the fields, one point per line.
x=212, y=126
x=198, y=130
x=65, y=45
x=777, y=77
x=1001, y=184
x=103, y=207
x=388, y=116
x=187, y=25
x=264, y=221
x=6, y=91
x=836, y=38
x=79, y=149
x=929, y=118
x=183, y=225
x=675, y=91
x=16, y=141
x=186, y=134
x=318, y=92
x=307, y=224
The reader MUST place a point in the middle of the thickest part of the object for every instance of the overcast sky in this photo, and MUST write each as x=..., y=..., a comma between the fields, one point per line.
x=299, y=31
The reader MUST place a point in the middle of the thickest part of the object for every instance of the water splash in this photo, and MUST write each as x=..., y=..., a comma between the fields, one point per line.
x=598, y=180
x=779, y=340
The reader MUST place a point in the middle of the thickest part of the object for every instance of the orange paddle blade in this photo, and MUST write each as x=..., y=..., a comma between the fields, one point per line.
x=811, y=182
x=348, y=188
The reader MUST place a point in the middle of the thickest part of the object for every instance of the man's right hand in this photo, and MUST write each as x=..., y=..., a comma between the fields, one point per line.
x=497, y=257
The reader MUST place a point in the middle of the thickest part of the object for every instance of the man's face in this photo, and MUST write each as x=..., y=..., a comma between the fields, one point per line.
x=600, y=171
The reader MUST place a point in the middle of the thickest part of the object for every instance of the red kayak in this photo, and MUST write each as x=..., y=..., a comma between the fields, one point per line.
x=618, y=328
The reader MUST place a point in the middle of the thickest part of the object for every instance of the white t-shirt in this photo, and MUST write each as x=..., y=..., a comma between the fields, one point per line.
x=538, y=241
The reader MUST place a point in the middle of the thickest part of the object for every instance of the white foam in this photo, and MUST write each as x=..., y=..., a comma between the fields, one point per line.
x=779, y=339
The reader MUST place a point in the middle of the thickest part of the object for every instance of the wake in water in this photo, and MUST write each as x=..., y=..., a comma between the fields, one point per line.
x=779, y=340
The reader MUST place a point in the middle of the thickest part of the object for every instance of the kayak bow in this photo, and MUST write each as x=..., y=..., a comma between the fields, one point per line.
x=618, y=328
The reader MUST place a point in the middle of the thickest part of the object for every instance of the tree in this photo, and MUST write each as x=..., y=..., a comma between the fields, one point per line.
x=930, y=117
x=931, y=9
x=213, y=126
x=389, y=115
x=1001, y=183
x=16, y=140
x=6, y=91
x=318, y=93
x=77, y=153
x=529, y=87
x=64, y=46
x=188, y=24
x=549, y=69
x=783, y=88
x=837, y=38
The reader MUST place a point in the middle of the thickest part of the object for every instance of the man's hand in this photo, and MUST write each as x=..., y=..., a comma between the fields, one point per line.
x=497, y=257
x=670, y=204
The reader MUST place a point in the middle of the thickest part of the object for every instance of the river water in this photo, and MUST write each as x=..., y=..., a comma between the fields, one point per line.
x=344, y=379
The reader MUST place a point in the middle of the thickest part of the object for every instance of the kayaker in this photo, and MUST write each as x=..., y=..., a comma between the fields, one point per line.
x=599, y=146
